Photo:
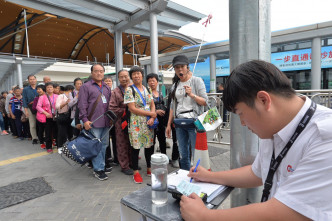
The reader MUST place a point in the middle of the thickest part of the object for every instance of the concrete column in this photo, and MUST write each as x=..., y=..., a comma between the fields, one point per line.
x=154, y=43
x=316, y=64
x=10, y=80
x=19, y=71
x=15, y=81
x=118, y=53
x=250, y=38
x=213, y=79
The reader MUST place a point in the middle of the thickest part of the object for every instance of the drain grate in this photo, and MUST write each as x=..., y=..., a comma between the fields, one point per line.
x=16, y=193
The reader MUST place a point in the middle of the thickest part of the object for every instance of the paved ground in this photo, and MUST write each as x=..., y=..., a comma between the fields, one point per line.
x=78, y=195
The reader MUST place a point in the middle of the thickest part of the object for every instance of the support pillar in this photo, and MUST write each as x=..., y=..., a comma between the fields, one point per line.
x=154, y=43
x=213, y=79
x=250, y=38
x=15, y=81
x=316, y=72
x=118, y=54
x=19, y=72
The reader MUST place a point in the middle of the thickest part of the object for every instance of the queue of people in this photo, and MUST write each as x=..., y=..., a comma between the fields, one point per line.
x=56, y=114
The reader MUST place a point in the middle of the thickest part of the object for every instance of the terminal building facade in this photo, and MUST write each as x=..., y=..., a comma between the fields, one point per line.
x=291, y=52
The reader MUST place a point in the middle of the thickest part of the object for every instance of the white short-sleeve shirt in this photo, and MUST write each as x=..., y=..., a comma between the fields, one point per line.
x=303, y=180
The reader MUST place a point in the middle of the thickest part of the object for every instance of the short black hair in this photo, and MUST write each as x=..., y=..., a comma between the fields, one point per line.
x=251, y=77
x=92, y=66
x=55, y=85
x=50, y=83
x=62, y=88
x=77, y=79
x=152, y=75
x=41, y=87
x=31, y=75
x=16, y=88
x=68, y=88
x=135, y=69
x=4, y=92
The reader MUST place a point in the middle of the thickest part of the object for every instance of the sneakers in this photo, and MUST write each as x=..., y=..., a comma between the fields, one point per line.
x=127, y=171
x=175, y=163
x=108, y=170
x=34, y=141
x=107, y=166
x=4, y=132
x=49, y=151
x=100, y=175
x=137, y=178
x=43, y=146
x=89, y=165
x=148, y=173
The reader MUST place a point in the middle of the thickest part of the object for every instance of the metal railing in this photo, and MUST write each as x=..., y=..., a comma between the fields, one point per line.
x=322, y=97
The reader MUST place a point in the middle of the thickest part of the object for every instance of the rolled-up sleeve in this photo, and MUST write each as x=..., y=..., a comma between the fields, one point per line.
x=202, y=90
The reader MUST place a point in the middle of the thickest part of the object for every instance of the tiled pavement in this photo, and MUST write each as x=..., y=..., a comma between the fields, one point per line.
x=78, y=195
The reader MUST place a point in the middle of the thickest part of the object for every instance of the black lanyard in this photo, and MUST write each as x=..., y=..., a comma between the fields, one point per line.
x=275, y=163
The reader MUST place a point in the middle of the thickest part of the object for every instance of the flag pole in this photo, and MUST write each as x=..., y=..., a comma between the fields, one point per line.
x=26, y=33
x=208, y=21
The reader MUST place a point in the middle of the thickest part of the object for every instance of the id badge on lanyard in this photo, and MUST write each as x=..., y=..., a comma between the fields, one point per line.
x=103, y=98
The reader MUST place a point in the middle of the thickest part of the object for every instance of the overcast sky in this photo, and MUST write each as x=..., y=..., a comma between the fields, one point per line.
x=285, y=14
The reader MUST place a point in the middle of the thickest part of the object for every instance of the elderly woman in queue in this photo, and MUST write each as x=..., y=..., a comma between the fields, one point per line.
x=46, y=112
x=158, y=99
x=122, y=139
x=62, y=105
x=142, y=109
x=188, y=100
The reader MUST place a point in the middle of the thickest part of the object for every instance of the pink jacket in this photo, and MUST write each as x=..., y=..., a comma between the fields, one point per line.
x=44, y=105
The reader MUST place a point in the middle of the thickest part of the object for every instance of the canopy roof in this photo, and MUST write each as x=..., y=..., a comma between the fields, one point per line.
x=83, y=29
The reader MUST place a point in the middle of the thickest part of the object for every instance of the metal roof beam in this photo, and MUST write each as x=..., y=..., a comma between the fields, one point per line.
x=64, y=12
x=102, y=8
x=142, y=4
x=179, y=12
x=141, y=16
x=161, y=25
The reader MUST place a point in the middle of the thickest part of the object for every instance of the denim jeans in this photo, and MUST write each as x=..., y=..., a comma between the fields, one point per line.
x=186, y=138
x=99, y=161
x=2, y=122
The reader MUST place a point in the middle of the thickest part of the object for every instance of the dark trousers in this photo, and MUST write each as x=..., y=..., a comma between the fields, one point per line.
x=134, y=157
x=108, y=148
x=160, y=133
x=12, y=126
x=6, y=122
x=20, y=127
x=50, y=128
x=64, y=132
x=175, y=151
x=40, y=131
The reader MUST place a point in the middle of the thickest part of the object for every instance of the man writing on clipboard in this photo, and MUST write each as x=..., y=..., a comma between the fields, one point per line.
x=294, y=159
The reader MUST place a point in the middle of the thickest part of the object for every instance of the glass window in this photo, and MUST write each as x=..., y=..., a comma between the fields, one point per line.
x=305, y=45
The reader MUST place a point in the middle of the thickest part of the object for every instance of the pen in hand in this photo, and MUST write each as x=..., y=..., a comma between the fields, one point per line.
x=191, y=179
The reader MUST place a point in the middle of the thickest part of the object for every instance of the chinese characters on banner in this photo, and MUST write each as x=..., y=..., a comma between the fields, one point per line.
x=300, y=59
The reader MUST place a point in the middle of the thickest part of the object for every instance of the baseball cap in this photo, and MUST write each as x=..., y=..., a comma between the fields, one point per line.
x=180, y=59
